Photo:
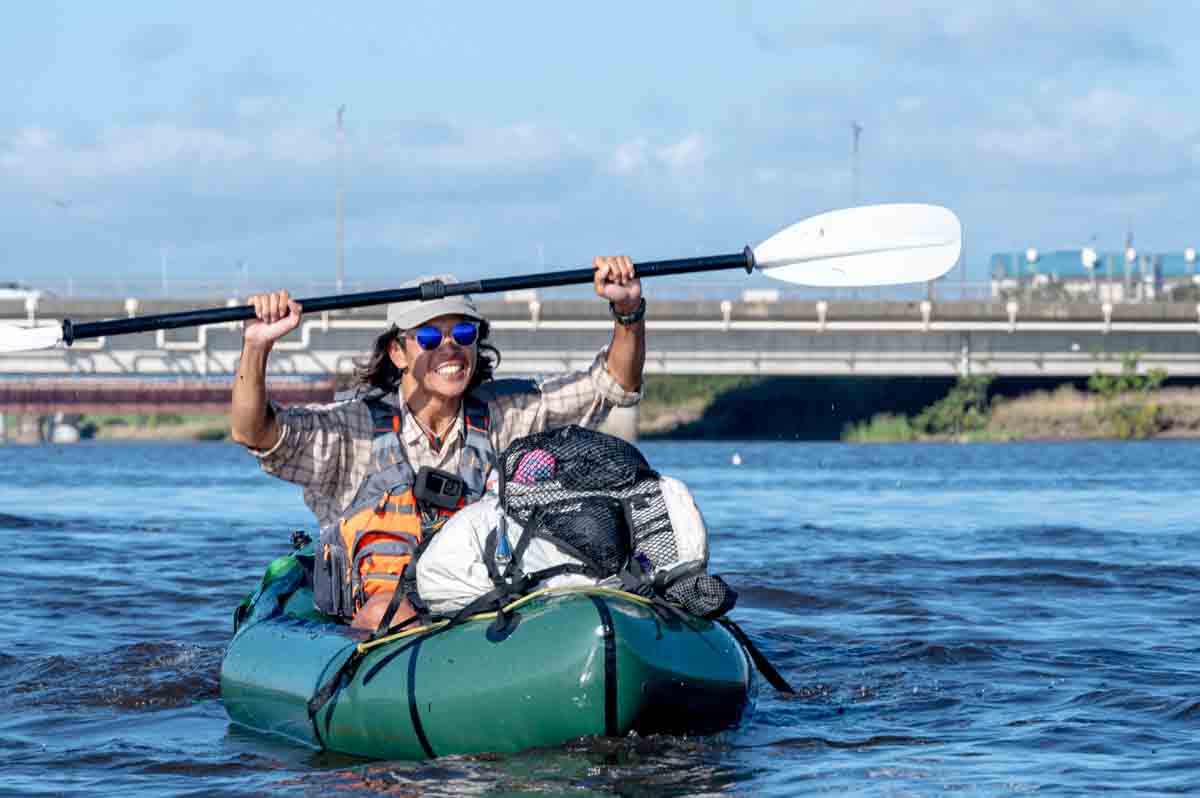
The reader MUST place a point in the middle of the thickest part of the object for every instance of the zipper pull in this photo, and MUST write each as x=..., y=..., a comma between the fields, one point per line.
x=381, y=507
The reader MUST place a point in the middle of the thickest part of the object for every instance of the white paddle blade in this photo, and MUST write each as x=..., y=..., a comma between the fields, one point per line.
x=26, y=339
x=867, y=246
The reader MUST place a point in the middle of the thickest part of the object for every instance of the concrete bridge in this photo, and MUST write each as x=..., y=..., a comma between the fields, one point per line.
x=802, y=338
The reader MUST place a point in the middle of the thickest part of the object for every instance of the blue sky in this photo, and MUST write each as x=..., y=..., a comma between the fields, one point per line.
x=489, y=138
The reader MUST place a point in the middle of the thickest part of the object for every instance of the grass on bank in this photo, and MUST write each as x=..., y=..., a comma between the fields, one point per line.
x=1128, y=405
x=156, y=426
x=960, y=415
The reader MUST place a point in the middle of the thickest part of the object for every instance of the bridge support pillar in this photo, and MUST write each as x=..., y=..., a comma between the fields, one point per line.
x=622, y=422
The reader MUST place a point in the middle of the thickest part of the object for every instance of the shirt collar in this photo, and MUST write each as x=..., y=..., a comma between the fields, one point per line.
x=413, y=435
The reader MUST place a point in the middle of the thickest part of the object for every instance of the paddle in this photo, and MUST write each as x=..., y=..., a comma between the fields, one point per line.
x=868, y=246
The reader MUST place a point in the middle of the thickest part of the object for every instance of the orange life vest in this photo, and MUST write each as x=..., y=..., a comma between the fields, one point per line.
x=366, y=550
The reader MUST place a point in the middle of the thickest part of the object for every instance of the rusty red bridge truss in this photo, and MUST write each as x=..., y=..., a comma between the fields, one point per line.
x=44, y=396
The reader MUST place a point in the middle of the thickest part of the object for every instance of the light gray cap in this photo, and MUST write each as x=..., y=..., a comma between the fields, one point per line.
x=407, y=315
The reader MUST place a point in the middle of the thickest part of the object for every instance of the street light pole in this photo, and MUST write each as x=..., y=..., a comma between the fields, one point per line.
x=857, y=130
x=341, y=231
x=162, y=256
x=1130, y=261
x=1031, y=257
x=1089, y=257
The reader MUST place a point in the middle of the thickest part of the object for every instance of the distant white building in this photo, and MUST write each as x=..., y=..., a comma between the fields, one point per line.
x=1128, y=276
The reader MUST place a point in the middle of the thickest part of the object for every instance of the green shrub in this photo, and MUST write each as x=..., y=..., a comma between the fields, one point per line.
x=964, y=409
x=882, y=428
x=1130, y=420
x=1111, y=386
x=675, y=389
x=1127, y=411
x=212, y=434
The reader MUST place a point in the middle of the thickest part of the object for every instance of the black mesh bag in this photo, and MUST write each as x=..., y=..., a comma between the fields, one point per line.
x=597, y=494
x=583, y=459
x=594, y=526
x=703, y=595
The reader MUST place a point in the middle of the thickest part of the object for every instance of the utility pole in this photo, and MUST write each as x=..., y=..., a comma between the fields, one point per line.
x=162, y=258
x=1130, y=260
x=857, y=130
x=341, y=228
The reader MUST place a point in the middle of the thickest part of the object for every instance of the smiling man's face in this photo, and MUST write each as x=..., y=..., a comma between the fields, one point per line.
x=443, y=372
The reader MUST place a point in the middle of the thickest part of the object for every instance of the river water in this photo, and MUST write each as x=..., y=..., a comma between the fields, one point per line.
x=982, y=619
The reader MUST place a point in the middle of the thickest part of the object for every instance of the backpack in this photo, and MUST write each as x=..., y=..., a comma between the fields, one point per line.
x=575, y=506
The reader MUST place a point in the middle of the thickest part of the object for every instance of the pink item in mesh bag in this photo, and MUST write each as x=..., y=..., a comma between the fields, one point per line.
x=535, y=466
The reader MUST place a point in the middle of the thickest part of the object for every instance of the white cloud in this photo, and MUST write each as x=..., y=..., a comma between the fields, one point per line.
x=116, y=160
x=263, y=189
x=690, y=151
x=403, y=236
x=26, y=145
x=629, y=156
x=634, y=156
x=260, y=107
x=43, y=158
x=484, y=148
x=299, y=145
x=1018, y=33
x=1101, y=131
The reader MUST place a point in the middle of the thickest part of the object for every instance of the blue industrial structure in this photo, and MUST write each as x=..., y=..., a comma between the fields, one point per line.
x=1067, y=265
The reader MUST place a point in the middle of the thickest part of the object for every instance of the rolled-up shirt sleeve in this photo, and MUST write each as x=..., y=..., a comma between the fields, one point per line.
x=316, y=450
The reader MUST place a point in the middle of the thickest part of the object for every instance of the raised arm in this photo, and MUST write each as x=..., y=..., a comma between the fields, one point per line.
x=253, y=423
x=615, y=281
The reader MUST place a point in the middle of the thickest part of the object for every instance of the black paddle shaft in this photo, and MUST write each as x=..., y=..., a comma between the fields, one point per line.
x=432, y=290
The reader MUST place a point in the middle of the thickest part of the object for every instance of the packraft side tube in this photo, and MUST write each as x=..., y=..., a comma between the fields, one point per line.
x=570, y=664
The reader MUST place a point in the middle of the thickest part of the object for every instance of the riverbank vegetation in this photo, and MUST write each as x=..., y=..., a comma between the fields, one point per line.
x=668, y=403
x=1128, y=405
x=154, y=426
x=671, y=402
x=159, y=426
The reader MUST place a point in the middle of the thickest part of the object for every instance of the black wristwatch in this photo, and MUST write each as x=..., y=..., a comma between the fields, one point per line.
x=629, y=319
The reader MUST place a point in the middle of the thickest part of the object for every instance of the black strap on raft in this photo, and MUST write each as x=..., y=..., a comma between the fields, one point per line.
x=757, y=657
x=345, y=674
x=326, y=692
x=385, y=622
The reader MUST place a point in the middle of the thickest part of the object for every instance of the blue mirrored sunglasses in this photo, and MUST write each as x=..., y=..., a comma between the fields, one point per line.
x=430, y=337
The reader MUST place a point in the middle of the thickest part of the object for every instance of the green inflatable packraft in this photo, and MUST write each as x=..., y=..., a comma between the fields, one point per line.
x=567, y=664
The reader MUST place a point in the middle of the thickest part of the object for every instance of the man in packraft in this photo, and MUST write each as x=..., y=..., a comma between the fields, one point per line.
x=383, y=470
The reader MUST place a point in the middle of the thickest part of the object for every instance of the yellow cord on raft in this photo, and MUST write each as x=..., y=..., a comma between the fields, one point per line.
x=363, y=648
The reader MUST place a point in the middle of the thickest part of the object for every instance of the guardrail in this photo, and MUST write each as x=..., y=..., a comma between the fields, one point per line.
x=697, y=337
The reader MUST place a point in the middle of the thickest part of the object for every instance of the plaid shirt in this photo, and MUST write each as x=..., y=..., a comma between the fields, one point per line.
x=326, y=449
